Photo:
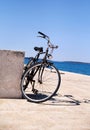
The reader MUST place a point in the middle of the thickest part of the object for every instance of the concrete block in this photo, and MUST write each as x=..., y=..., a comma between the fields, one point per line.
x=11, y=69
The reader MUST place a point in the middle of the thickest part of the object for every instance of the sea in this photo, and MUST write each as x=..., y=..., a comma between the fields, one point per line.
x=70, y=66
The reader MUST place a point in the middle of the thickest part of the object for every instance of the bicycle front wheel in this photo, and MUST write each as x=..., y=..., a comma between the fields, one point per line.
x=40, y=82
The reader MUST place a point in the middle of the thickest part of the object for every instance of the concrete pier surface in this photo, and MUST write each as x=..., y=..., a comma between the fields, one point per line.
x=68, y=110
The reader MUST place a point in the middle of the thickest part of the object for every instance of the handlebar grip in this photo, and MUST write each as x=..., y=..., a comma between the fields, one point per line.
x=42, y=33
x=56, y=47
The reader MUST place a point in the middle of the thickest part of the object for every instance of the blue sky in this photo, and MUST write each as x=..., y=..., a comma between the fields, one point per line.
x=67, y=22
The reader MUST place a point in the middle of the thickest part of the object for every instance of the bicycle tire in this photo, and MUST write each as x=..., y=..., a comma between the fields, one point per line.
x=45, y=87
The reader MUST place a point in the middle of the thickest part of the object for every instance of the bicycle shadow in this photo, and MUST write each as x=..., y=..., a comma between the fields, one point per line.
x=65, y=100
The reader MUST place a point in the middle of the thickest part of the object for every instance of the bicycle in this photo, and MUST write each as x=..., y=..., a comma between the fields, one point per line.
x=41, y=79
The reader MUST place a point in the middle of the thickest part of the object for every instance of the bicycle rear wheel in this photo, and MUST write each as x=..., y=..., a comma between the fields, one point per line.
x=40, y=82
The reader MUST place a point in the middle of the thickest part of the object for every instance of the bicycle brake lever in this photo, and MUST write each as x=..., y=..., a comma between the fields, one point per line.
x=41, y=36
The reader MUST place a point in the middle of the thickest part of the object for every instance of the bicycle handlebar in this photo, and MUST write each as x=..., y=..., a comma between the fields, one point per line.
x=47, y=38
x=44, y=35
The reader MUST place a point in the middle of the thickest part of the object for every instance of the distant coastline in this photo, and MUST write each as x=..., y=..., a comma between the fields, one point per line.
x=74, y=62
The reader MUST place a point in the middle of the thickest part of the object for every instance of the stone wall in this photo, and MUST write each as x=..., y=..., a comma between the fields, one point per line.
x=11, y=69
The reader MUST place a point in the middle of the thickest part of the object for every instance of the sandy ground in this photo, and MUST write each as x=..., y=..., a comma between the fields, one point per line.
x=68, y=110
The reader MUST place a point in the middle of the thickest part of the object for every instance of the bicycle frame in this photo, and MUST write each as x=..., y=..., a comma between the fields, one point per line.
x=37, y=76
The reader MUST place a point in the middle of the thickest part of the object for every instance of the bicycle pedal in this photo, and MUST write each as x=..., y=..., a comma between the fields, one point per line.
x=35, y=91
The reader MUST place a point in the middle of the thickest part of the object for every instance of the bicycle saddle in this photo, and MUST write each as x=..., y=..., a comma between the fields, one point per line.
x=40, y=49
